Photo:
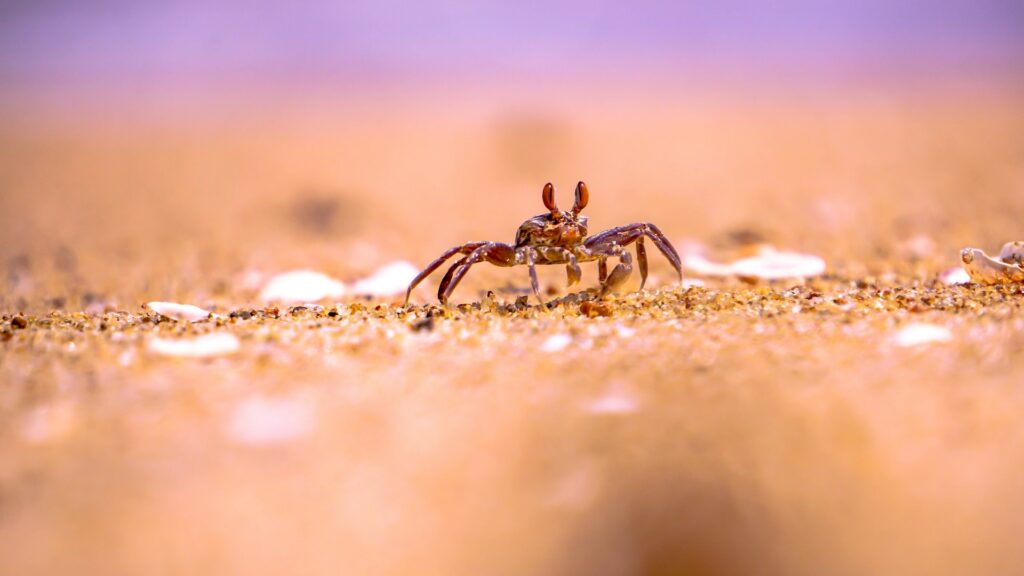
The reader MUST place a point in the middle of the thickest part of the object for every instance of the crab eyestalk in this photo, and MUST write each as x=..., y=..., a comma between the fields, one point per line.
x=582, y=197
x=549, y=198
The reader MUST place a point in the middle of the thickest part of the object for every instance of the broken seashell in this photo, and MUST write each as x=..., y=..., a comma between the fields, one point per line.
x=300, y=286
x=1012, y=253
x=767, y=264
x=984, y=269
x=701, y=266
x=175, y=311
x=388, y=280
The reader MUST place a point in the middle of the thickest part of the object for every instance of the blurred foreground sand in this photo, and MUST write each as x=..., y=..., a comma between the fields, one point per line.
x=701, y=435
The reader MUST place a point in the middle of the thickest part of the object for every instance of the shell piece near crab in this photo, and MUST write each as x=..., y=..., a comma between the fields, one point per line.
x=985, y=269
x=1013, y=253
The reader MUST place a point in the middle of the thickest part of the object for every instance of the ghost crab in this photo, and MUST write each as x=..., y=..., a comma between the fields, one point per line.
x=558, y=238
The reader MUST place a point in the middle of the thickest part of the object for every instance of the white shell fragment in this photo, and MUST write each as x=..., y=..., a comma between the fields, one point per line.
x=767, y=264
x=48, y=423
x=616, y=400
x=556, y=343
x=265, y=421
x=984, y=269
x=205, y=346
x=387, y=281
x=920, y=333
x=175, y=311
x=955, y=276
x=300, y=286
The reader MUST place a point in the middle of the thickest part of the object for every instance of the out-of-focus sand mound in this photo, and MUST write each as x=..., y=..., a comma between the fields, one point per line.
x=862, y=422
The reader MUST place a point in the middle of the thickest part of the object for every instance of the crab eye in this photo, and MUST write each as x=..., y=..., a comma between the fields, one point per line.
x=549, y=198
x=582, y=197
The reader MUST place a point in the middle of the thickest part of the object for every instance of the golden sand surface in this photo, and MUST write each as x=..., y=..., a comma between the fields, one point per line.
x=863, y=422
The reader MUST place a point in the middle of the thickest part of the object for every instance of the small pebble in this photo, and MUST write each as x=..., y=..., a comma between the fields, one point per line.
x=424, y=325
x=593, y=309
x=19, y=323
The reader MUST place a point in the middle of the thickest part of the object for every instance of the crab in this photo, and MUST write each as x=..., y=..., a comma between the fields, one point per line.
x=558, y=238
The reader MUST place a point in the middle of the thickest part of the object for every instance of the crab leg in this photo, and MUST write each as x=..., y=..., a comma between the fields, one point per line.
x=624, y=235
x=655, y=234
x=447, y=279
x=467, y=248
x=533, y=275
x=641, y=258
x=619, y=274
x=494, y=252
x=573, y=271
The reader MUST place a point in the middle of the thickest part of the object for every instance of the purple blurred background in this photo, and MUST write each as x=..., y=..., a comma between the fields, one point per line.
x=163, y=49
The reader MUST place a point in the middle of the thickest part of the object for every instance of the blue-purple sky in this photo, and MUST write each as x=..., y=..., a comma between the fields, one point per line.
x=66, y=43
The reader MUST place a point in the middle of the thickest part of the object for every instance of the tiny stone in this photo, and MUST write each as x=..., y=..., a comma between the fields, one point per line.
x=593, y=309
x=424, y=325
x=19, y=322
